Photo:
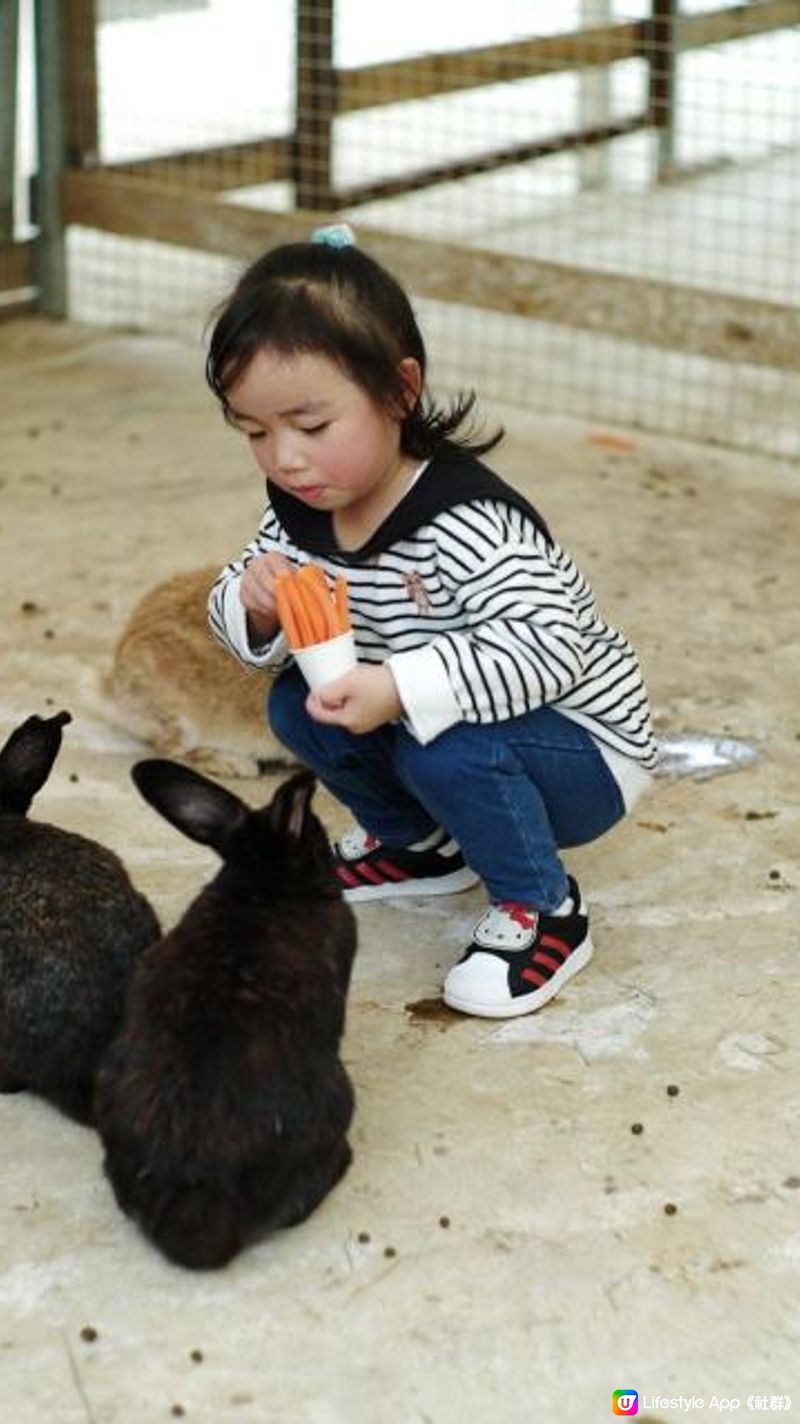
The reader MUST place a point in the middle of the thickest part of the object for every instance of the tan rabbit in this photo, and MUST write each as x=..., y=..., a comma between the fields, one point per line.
x=177, y=689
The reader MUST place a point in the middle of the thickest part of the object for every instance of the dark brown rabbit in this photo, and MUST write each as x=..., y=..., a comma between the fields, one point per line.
x=71, y=928
x=223, y=1104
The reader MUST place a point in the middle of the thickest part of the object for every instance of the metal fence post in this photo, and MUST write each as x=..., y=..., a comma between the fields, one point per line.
x=662, y=32
x=315, y=104
x=50, y=249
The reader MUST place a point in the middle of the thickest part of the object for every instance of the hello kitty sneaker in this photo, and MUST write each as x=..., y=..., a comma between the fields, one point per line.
x=369, y=870
x=518, y=959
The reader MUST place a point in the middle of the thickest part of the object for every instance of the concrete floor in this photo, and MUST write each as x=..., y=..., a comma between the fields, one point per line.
x=500, y=1250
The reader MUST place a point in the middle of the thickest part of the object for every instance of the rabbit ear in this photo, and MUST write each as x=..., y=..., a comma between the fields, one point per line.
x=27, y=759
x=202, y=810
x=290, y=804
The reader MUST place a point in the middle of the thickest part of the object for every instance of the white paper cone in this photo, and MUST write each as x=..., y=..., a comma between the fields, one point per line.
x=322, y=662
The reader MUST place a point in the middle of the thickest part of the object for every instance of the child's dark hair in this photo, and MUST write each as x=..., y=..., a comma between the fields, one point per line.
x=310, y=297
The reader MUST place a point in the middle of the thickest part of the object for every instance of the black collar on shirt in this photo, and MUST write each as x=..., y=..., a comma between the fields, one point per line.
x=448, y=480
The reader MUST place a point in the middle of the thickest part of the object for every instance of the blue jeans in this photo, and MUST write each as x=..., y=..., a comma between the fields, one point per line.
x=512, y=794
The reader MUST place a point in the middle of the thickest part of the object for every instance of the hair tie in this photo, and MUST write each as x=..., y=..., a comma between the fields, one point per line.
x=335, y=235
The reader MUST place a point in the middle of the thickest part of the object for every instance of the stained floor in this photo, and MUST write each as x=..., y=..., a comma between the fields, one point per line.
x=602, y=1196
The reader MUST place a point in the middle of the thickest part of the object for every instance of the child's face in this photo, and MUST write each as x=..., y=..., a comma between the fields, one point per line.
x=313, y=431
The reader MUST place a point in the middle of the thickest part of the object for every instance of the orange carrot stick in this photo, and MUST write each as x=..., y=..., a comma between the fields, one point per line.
x=304, y=622
x=316, y=586
x=299, y=620
x=313, y=575
x=286, y=610
x=309, y=615
x=325, y=602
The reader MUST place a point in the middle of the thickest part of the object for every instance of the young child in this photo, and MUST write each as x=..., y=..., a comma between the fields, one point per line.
x=494, y=717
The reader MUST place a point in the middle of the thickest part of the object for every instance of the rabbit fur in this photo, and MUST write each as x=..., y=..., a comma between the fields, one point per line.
x=223, y=1104
x=182, y=693
x=71, y=928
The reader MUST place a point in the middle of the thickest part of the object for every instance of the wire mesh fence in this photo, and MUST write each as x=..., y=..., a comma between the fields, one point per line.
x=594, y=204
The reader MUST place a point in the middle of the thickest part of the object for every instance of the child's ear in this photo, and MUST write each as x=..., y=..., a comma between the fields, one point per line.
x=411, y=377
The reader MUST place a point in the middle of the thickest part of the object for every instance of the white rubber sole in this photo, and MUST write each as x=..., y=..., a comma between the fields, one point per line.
x=523, y=1003
x=462, y=879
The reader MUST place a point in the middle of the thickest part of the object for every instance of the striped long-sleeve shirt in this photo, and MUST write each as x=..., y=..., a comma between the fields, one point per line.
x=479, y=613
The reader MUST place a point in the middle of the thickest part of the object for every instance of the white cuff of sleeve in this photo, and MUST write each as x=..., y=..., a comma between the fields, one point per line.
x=272, y=654
x=424, y=688
x=631, y=777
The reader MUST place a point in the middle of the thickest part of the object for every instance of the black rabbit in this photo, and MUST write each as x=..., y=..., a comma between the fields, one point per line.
x=223, y=1104
x=71, y=928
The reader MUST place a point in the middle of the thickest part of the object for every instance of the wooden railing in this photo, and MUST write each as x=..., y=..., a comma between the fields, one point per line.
x=179, y=198
x=325, y=93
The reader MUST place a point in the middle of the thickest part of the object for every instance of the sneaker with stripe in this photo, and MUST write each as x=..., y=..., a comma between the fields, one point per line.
x=369, y=870
x=518, y=959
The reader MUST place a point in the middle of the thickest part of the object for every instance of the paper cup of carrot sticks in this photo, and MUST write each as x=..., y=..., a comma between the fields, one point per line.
x=316, y=621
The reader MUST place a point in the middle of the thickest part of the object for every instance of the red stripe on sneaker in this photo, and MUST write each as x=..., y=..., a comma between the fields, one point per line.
x=547, y=960
x=392, y=872
x=535, y=977
x=552, y=942
x=347, y=877
x=367, y=873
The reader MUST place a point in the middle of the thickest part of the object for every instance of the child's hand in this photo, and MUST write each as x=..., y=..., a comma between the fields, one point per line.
x=257, y=592
x=361, y=700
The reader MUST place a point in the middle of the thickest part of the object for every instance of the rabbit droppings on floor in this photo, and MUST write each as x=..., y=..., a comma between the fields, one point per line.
x=71, y=928
x=223, y=1104
x=182, y=693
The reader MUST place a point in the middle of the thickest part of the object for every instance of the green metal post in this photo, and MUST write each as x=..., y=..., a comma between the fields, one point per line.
x=51, y=256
